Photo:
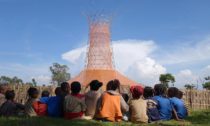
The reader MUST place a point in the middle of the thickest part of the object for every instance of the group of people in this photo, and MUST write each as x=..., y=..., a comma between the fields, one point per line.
x=141, y=105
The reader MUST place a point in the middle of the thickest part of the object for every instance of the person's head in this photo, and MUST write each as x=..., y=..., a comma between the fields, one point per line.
x=160, y=89
x=75, y=87
x=148, y=92
x=95, y=85
x=136, y=91
x=65, y=87
x=10, y=94
x=173, y=92
x=58, y=91
x=45, y=93
x=125, y=97
x=3, y=88
x=180, y=94
x=113, y=85
x=33, y=92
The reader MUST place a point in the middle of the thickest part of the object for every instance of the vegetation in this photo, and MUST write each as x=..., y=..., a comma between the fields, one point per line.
x=166, y=79
x=206, y=85
x=189, y=86
x=59, y=73
x=9, y=80
x=201, y=118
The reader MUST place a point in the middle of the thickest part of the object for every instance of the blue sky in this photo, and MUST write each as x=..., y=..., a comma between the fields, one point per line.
x=36, y=33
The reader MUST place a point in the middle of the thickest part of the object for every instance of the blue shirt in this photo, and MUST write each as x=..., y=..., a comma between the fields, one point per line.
x=179, y=106
x=53, y=105
x=164, y=106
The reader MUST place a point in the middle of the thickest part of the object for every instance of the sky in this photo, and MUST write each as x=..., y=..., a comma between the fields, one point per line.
x=163, y=36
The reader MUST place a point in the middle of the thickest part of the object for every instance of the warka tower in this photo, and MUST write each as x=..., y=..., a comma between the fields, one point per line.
x=99, y=59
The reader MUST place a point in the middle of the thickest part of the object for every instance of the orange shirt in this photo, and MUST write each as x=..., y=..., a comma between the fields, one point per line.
x=110, y=107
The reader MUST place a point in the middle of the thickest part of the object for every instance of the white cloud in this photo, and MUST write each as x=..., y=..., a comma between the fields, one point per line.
x=188, y=52
x=185, y=77
x=146, y=71
x=132, y=57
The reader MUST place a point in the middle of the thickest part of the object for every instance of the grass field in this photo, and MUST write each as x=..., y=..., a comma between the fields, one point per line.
x=196, y=118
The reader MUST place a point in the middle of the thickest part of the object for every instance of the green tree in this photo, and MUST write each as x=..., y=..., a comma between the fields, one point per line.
x=59, y=73
x=189, y=86
x=8, y=80
x=206, y=85
x=166, y=79
x=34, y=82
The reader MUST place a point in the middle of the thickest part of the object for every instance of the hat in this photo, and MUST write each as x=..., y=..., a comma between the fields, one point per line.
x=95, y=85
x=136, y=91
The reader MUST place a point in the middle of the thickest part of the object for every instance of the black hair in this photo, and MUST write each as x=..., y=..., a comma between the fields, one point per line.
x=58, y=91
x=65, y=86
x=113, y=85
x=10, y=95
x=95, y=85
x=148, y=92
x=160, y=89
x=173, y=92
x=45, y=93
x=125, y=97
x=33, y=92
x=75, y=87
x=180, y=94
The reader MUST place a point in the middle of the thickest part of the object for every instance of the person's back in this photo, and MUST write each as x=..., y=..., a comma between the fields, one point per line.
x=110, y=107
x=164, y=107
x=152, y=111
x=74, y=103
x=29, y=105
x=179, y=107
x=54, y=104
x=163, y=104
x=92, y=97
x=10, y=108
x=138, y=106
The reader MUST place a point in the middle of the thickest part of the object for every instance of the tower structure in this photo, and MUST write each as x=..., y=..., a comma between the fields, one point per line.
x=99, y=61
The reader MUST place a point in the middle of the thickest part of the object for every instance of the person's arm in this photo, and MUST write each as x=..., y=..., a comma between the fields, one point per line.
x=175, y=115
x=124, y=106
x=20, y=106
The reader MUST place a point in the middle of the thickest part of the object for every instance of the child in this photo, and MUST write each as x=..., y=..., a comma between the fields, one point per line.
x=45, y=93
x=111, y=104
x=163, y=103
x=138, y=106
x=180, y=95
x=10, y=108
x=92, y=97
x=152, y=110
x=177, y=103
x=74, y=103
x=53, y=103
x=33, y=95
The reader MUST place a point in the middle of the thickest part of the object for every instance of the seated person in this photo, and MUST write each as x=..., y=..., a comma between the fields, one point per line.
x=180, y=96
x=138, y=106
x=33, y=107
x=53, y=103
x=152, y=111
x=163, y=103
x=74, y=103
x=33, y=95
x=177, y=103
x=111, y=104
x=91, y=98
x=9, y=107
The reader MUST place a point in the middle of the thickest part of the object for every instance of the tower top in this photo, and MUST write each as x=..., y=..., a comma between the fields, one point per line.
x=99, y=55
